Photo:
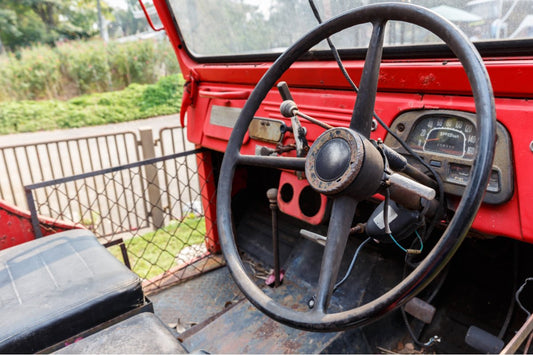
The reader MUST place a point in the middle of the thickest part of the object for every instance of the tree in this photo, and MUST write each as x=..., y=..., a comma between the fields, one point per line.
x=25, y=22
x=8, y=24
x=126, y=23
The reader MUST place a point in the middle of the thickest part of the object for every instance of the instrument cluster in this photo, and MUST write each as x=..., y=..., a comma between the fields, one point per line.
x=447, y=140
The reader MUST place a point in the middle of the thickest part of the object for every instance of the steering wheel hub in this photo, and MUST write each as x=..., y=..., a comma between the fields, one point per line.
x=341, y=160
x=333, y=159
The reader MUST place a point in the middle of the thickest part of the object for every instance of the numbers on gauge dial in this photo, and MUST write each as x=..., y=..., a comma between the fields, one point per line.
x=452, y=136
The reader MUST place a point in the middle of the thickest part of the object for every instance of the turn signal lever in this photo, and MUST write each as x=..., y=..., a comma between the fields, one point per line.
x=412, y=186
x=397, y=162
x=412, y=194
x=289, y=108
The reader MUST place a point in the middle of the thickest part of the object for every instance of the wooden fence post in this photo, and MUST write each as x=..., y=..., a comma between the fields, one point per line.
x=155, y=208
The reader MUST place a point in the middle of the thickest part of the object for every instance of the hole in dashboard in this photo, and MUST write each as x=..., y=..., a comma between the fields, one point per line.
x=309, y=201
x=286, y=193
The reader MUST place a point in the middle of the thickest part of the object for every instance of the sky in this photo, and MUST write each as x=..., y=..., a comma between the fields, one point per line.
x=117, y=3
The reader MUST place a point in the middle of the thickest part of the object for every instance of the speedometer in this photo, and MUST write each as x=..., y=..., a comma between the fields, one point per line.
x=444, y=135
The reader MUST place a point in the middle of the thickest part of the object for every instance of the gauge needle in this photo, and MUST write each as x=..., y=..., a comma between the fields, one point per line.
x=432, y=139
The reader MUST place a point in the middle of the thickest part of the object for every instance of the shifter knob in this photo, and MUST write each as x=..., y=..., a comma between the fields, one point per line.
x=272, y=195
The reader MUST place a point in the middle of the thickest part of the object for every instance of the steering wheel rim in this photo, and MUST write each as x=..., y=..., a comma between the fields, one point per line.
x=466, y=210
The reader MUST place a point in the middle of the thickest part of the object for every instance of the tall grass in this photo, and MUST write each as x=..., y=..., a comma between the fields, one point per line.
x=76, y=68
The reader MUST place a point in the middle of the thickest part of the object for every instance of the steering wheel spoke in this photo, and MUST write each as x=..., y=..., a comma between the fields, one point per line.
x=342, y=213
x=291, y=163
x=366, y=97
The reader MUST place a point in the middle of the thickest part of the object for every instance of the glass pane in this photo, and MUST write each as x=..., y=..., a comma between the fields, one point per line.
x=237, y=27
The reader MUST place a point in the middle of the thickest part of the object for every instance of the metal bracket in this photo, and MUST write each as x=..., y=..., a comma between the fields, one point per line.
x=148, y=18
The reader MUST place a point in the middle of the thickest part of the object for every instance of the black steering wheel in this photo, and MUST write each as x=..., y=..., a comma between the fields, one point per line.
x=348, y=177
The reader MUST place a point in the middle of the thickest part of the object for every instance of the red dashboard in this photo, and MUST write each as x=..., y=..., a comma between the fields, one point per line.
x=321, y=91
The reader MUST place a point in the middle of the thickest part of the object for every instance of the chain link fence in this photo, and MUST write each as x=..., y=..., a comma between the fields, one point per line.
x=150, y=214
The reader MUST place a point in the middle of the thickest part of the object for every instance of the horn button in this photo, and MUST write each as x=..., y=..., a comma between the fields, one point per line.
x=341, y=159
x=333, y=159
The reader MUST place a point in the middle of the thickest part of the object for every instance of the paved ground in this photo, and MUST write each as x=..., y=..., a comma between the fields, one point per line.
x=27, y=138
x=24, y=166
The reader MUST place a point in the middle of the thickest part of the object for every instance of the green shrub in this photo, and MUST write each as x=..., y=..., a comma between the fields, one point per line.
x=135, y=102
x=81, y=67
x=36, y=75
x=85, y=64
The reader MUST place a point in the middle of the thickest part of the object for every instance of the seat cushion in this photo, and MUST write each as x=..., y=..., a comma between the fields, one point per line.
x=140, y=334
x=55, y=287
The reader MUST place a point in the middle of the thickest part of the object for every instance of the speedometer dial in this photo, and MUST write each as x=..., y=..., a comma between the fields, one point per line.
x=445, y=135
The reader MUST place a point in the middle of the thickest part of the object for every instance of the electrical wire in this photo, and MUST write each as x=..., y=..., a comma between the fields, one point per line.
x=349, y=271
x=407, y=250
x=517, y=296
x=434, y=339
x=510, y=310
x=439, y=283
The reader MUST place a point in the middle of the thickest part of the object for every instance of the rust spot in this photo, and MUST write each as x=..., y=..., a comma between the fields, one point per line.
x=427, y=80
x=267, y=329
x=292, y=346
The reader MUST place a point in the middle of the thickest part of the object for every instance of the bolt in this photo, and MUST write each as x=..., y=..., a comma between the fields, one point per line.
x=374, y=125
x=311, y=302
x=401, y=127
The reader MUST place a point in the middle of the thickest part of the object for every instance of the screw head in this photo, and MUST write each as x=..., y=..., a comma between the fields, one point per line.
x=311, y=303
x=401, y=127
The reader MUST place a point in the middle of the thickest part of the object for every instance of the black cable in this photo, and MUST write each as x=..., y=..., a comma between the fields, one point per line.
x=510, y=311
x=437, y=177
x=386, y=211
x=415, y=340
x=517, y=296
x=431, y=297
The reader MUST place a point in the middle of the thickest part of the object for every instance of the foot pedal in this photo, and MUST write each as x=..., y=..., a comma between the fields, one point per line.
x=420, y=309
x=483, y=341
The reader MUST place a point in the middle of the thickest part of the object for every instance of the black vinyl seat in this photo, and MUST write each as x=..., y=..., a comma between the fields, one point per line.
x=55, y=287
x=140, y=334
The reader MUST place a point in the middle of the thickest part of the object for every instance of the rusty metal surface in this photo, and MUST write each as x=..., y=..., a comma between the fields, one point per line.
x=196, y=300
x=243, y=329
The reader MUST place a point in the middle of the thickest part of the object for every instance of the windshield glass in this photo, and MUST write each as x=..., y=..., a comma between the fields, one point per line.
x=241, y=27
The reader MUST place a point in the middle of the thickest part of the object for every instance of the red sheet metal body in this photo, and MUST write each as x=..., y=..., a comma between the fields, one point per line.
x=16, y=227
x=321, y=91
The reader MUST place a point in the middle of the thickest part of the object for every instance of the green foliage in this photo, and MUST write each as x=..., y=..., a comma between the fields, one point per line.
x=135, y=102
x=126, y=23
x=86, y=65
x=8, y=23
x=162, y=94
x=47, y=21
x=36, y=74
x=153, y=253
x=82, y=67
